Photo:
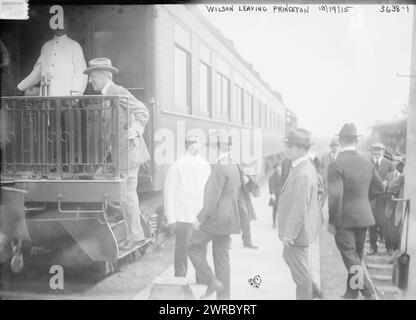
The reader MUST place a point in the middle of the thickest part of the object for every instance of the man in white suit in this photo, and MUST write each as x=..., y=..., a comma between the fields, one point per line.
x=61, y=64
x=184, y=197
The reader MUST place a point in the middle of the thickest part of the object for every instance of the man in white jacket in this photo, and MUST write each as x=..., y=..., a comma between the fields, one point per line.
x=61, y=64
x=183, y=198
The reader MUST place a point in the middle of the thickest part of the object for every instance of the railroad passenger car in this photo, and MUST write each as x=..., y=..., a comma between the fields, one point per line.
x=171, y=58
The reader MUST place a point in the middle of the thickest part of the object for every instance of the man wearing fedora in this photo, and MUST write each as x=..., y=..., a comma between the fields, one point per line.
x=218, y=219
x=299, y=212
x=100, y=72
x=326, y=160
x=183, y=198
x=351, y=180
x=383, y=167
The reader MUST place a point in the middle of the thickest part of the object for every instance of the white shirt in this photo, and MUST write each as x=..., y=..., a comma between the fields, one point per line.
x=62, y=61
x=105, y=89
x=184, y=188
x=348, y=148
x=377, y=160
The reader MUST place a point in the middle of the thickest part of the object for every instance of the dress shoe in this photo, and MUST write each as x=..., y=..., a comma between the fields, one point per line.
x=372, y=252
x=214, y=286
x=351, y=295
x=250, y=246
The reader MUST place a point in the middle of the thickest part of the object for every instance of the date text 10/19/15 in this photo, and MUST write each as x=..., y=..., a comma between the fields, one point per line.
x=220, y=309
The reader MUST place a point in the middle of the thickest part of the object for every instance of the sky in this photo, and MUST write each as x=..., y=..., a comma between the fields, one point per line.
x=330, y=68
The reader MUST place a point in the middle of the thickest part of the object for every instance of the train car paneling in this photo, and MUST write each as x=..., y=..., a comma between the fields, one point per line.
x=176, y=125
x=192, y=21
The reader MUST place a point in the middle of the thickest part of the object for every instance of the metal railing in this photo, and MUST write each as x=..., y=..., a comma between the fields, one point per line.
x=61, y=137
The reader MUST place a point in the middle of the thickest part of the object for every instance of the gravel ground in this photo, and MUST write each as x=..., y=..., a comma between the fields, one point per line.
x=333, y=272
x=33, y=282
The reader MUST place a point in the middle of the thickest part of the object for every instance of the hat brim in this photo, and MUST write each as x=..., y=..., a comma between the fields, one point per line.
x=104, y=68
x=349, y=135
x=298, y=144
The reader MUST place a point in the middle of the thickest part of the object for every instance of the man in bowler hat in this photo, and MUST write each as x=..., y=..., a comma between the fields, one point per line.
x=217, y=219
x=299, y=212
x=351, y=180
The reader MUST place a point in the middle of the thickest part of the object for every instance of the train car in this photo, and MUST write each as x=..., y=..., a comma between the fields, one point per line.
x=170, y=57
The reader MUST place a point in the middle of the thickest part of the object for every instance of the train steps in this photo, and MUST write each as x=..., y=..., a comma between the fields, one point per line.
x=380, y=267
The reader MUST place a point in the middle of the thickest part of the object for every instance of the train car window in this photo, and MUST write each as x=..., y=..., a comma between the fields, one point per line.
x=256, y=111
x=205, y=83
x=182, y=37
x=182, y=84
x=182, y=80
x=248, y=109
x=205, y=89
x=223, y=96
x=204, y=54
x=238, y=104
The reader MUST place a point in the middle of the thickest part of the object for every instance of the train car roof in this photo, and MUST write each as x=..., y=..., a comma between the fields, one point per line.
x=230, y=45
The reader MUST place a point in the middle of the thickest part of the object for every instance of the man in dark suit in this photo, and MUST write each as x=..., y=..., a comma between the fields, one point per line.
x=326, y=160
x=383, y=167
x=299, y=212
x=394, y=209
x=351, y=180
x=133, y=117
x=217, y=219
x=275, y=184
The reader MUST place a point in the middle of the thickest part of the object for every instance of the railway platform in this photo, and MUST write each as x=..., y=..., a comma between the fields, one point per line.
x=266, y=261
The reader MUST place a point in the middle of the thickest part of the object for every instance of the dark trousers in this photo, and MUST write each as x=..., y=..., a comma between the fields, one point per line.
x=197, y=251
x=393, y=234
x=183, y=236
x=245, y=227
x=184, y=232
x=274, y=213
x=297, y=258
x=376, y=232
x=350, y=242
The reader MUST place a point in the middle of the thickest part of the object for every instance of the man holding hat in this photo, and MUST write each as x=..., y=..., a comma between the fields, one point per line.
x=299, y=212
x=218, y=219
x=183, y=198
x=100, y=72
x=326, y=160
x=383, y=167
x=60, y=65
x=351, y=180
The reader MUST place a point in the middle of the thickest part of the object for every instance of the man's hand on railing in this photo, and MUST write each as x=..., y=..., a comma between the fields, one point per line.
x=18, y=92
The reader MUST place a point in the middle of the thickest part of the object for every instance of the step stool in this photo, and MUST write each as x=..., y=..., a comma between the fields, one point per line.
x=171, y=288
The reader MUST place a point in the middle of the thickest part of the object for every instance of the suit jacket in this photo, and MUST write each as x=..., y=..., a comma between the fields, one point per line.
x=395, y=188
x=379, y=204
x=286, y=165
x=219, y=214
x=325, y=161
x=128, y=104
x=299, y=213
x=275, y=185
x=352, y=179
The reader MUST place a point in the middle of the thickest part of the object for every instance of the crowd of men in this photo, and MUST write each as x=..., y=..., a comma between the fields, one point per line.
x=209, y=202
